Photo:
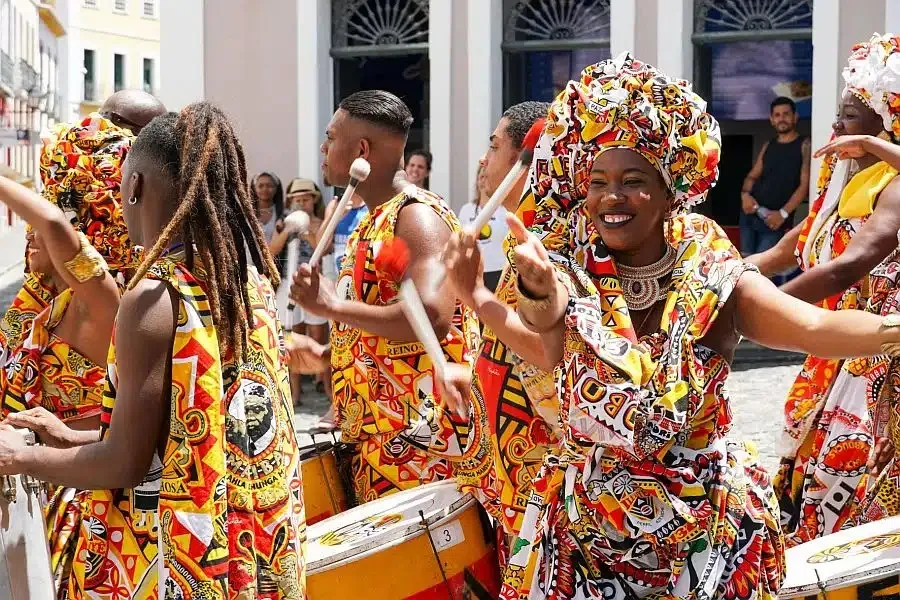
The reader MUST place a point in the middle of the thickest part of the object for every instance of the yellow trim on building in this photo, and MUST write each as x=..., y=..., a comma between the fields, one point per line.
x=47, y=10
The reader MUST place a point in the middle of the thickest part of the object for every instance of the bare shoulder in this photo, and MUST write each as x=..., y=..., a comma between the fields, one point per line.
x=147, y=311
x=419, y=222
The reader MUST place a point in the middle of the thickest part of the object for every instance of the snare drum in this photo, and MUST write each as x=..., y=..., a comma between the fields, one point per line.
x=323, y=493
x=428, y=543
x=858, y=563
x=24, y=557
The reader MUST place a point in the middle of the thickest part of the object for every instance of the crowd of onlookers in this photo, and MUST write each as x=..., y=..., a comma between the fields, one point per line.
x=274, y=202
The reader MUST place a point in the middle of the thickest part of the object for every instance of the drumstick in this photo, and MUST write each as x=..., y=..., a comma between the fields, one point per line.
x=414, y=310
x=359, y=171
x=521, y=166
x=298, y=221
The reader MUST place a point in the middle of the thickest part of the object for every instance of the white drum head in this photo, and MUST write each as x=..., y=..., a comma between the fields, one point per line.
x=850, y=557
x=380, y=524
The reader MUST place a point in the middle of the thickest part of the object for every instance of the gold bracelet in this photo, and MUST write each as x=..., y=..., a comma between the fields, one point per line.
x=891, y=321
x=88, y=263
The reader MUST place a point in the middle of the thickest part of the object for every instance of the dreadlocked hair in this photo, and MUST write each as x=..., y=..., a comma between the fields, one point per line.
x=198, y=149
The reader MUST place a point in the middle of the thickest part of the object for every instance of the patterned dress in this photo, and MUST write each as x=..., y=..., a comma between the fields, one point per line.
x=400, y=437
x=45, y=371
x=32, y=298
x=646, y=499
x=515, y=421
x=828, y=431
x=883, y=497
x=220, y=514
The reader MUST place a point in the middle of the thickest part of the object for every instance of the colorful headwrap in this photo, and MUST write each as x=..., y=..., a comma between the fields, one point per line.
x=81, y=169
x=621, y=103
x=873, y=75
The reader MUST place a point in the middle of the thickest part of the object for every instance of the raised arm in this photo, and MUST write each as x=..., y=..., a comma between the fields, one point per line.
x=869, y=246
x=96, y=290
x=144, y=334
x=771, y=318
x=463, y=262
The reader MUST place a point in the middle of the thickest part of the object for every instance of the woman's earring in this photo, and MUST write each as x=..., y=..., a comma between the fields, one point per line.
x=133, y=200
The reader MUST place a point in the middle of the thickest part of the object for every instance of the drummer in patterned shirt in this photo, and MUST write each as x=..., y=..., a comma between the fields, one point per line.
x=400, y=436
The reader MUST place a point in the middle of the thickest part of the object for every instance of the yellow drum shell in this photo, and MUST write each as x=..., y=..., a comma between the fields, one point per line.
x=323, y=492
x=407, y=569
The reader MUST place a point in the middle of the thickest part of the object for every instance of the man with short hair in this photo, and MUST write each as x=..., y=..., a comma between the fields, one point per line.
x=515, y=408
x=383, y=382
x=777, y=184
x=418, y=168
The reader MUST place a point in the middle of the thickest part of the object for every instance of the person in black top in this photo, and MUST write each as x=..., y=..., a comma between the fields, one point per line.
x=777, y=184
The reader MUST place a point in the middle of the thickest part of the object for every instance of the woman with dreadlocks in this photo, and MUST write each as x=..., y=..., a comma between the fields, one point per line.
x=54, y=364
x=196, y=477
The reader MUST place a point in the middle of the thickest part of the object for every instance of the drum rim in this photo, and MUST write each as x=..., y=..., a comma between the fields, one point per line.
x=392, y=537
x=840, y=583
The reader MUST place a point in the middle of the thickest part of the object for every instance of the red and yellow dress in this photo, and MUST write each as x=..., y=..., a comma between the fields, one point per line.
x=646, y=498
x=399, y=436
x=515, y=421
x=828, y=431
x=45, y=371
x=220, y=514
x=32, y=299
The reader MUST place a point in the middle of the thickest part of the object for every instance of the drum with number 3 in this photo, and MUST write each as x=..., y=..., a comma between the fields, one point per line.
x=859, y=563
x=428, y=543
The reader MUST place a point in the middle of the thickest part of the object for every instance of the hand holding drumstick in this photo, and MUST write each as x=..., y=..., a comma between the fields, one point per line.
x=452, y=380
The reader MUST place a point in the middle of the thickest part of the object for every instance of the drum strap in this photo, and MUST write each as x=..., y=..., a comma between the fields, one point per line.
x=343, y=456
x=437, y=558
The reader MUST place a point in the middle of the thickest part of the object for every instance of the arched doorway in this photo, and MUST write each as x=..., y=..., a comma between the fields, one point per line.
x=546, y=43
x=383, y=44
x=747, y=53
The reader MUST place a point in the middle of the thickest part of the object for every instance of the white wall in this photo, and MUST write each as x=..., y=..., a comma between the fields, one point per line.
x=181, y=46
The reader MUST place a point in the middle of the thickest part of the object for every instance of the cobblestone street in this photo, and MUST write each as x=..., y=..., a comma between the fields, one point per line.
x=757, y=392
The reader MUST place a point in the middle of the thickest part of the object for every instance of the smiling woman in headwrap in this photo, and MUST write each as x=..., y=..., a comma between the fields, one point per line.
x=645, y=497
x=77, y=243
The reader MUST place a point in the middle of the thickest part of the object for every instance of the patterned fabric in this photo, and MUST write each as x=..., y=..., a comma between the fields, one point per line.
x=220, y=515
x=382, y=389
x=645, y=498
x=516, y=420
x=47, y=372
x=871, y=75
x=883, y=497
x=828, y=433
x=31, y=300
x=81, y=169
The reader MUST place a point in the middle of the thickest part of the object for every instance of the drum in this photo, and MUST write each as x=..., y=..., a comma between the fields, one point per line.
x=858, y=563
x=323, y=491
x=24, y=557
x=428, y=543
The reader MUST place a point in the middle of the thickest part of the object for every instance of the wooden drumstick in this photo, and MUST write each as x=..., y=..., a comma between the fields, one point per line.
x=414, y=310
x=359, y=171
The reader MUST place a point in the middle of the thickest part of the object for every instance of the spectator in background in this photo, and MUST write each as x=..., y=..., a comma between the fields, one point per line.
x=268, y=200
x=491, y=236
x=418, y=168
x=303, y=194
x=346, y=226
x=777, y=184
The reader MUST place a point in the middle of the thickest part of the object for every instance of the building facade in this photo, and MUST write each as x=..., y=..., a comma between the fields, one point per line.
x=113, y=45
x=31, y=40
x=279, y=67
